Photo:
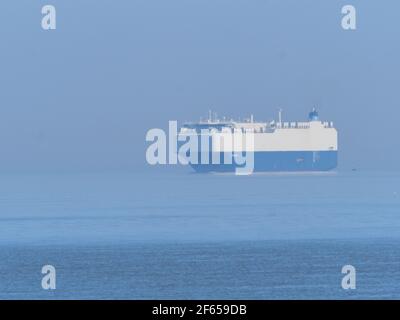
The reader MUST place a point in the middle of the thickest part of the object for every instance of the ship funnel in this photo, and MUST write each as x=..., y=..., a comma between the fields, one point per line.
x=313, y=115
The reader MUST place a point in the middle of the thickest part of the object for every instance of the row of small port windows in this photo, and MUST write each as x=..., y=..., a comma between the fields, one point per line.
x=301, y=125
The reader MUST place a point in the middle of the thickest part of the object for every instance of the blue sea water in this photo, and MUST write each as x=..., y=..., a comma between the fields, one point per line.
x=176, y=235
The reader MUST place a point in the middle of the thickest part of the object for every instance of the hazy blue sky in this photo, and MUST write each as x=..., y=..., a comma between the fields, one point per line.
x=83, y=96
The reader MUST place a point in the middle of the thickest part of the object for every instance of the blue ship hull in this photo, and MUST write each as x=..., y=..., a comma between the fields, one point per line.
x=279, y=161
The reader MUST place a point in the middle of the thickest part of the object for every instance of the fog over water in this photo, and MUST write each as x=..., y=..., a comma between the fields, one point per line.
x=83, y=96
x=76, y=191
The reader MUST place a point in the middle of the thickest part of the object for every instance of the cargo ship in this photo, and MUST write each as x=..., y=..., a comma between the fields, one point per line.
x=276, y=146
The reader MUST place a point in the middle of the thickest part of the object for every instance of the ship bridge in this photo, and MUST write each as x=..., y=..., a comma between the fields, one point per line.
x=215, y=124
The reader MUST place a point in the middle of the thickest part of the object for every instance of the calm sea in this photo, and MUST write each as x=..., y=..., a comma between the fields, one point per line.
x=177, y=235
